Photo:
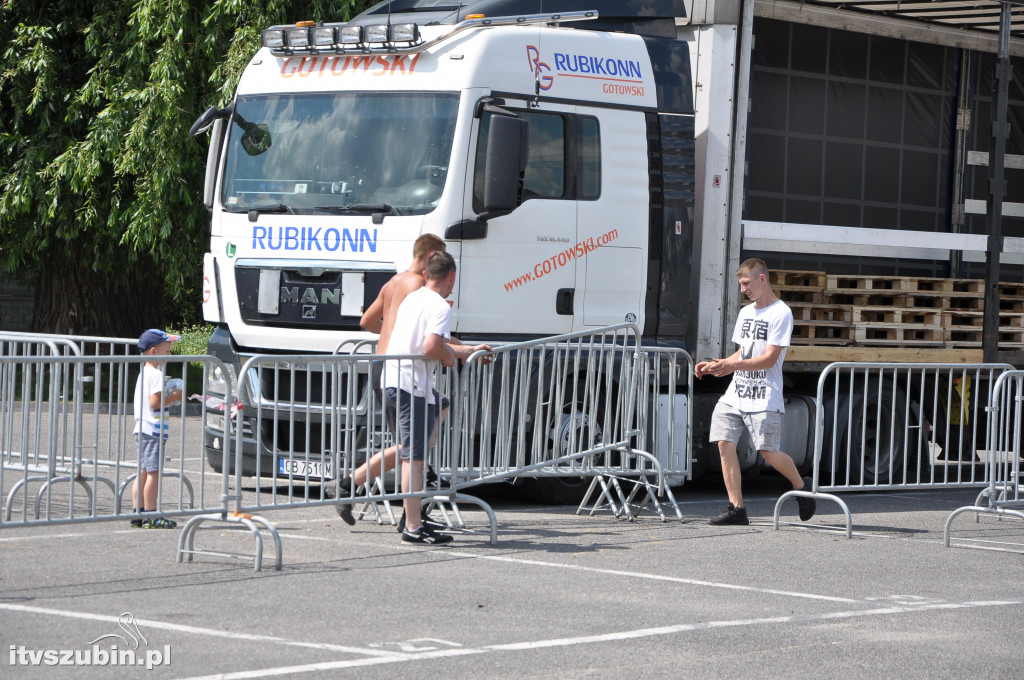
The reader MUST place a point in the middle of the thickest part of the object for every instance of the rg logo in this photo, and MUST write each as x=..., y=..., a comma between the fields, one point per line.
x=537, y=67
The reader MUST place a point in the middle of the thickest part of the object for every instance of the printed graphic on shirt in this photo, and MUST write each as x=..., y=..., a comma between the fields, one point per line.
x=751, y=384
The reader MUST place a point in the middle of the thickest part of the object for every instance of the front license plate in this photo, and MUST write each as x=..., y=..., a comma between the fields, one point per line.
x=301, y=468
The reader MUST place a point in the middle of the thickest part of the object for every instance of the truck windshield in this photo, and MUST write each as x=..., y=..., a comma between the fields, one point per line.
x=347, y=152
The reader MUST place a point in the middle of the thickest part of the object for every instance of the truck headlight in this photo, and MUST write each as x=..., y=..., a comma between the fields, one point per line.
x=215, y=421
x=216, y=381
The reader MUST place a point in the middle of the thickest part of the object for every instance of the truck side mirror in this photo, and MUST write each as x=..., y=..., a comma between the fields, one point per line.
x=504, y=166
x=213, y=160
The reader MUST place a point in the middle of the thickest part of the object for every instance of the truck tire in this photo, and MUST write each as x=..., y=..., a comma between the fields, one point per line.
x=568, y=419
x=869, y=436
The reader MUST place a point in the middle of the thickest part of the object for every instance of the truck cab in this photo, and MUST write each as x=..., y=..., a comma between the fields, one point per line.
x=554, y=153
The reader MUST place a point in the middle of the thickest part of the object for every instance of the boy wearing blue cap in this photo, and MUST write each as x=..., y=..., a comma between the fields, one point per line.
x=152, y=399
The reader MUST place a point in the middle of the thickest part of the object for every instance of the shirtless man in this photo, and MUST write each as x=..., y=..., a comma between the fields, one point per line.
x=379, y=318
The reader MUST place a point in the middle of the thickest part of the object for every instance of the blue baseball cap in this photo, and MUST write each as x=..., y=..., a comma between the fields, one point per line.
x=153, y=337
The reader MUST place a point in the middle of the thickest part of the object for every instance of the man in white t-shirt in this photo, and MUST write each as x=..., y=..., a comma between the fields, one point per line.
x=422, y=327
x=754, y=398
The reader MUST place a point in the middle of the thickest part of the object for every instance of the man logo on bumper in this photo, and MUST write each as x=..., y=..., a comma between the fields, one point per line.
x=308, y=311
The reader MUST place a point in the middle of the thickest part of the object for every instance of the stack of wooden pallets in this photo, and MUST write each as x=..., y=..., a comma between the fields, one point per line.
x=895, y=311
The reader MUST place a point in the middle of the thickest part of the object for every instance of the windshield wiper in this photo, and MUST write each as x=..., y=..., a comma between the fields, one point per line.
x=257, y=210
x=361, y=208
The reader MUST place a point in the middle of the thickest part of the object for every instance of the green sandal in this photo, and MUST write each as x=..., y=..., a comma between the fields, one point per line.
x=159, y=523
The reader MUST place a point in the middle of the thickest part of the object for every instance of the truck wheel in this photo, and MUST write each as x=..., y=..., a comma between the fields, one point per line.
x=574, y=423
x=869, y=430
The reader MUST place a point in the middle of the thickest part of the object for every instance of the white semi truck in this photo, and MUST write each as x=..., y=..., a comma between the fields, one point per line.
x=579, y=159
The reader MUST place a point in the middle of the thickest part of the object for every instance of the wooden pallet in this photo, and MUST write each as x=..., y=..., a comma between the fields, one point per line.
x=836, y=283
x=837, y=314
x=896, y=311
x=789, y=278
x=968, y=319
x=963, y=301
x=1011, y=304
x=808, y=333
x=1011, y=291
x=954, y=286
x=879, y=299
x=1008, y=338
x=899, y=335
x=892, y=316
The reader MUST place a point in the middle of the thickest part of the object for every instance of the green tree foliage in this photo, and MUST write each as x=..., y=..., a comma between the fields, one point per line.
x=100, y=186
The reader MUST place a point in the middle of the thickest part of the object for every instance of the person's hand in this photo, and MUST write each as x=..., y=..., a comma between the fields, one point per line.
x=487, y=358
x=705, y=367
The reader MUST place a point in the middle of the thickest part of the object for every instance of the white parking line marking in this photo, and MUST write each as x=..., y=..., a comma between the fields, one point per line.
x=617, y=572
x=209, y=632
x=593, y=639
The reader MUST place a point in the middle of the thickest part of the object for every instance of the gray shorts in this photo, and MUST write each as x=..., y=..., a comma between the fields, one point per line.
x=416, y=420
x=149, y=452
x=765, y=427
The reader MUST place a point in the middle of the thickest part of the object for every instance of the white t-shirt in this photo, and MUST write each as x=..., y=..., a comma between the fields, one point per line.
x=157, y=423
x=423, y=312
x=755, y=391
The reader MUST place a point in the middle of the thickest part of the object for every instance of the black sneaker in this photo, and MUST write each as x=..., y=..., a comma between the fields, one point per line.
x=427, y=521
x=345, y=513
x=435, y=482
x=731, y=516
x=425, y=536
x=344, y=491
x=807, y=505
x=136, y=523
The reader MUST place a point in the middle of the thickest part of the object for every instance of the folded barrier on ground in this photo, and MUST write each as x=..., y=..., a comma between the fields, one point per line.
x=890, y=426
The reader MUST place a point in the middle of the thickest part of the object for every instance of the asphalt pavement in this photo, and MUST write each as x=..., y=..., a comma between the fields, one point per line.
x=560, y=596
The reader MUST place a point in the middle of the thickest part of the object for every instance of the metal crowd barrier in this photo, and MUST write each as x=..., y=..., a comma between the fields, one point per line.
x=888, y=426
x=1002, y=455
x=590, y=404
x=66, y=441
x=79, y=345
x=573, y=405
x=309, y=422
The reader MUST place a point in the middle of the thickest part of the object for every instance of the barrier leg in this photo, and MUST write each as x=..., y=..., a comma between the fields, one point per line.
x=14, y=490
x=978, y=510
x=456, y=498
x=587, y=495
x=816, y=496
x=67, y=478
x=186, y=540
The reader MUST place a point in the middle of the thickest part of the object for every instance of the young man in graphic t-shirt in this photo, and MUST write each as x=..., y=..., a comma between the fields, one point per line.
x=754, y=398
